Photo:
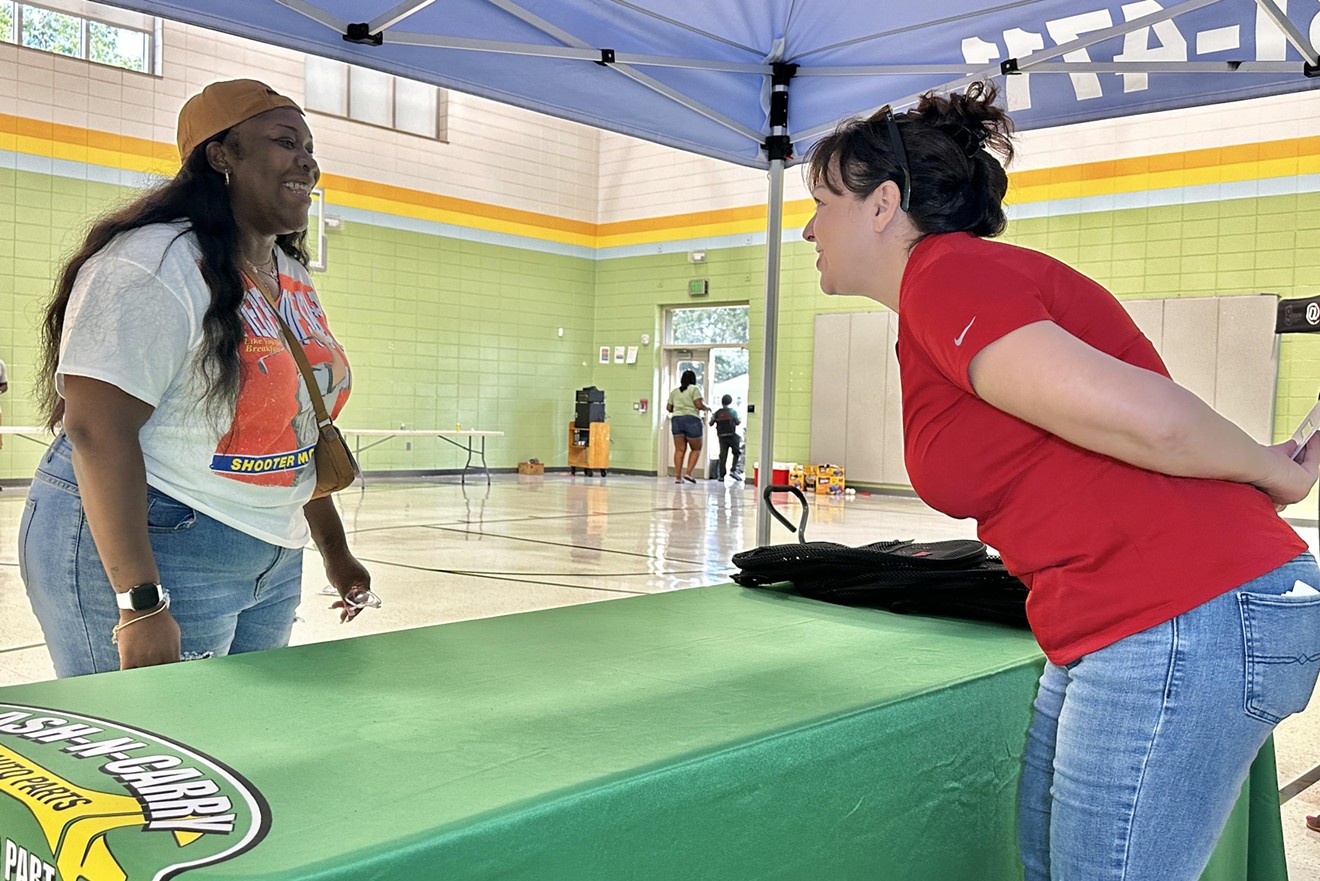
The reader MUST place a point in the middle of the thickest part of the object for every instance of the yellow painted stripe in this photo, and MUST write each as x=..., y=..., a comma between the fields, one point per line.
x=55, y=141
x=1245, y=162
x=432, y=206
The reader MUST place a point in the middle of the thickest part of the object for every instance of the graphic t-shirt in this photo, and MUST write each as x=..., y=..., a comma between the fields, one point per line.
x=1107, y=548
x=135, y=321
x=685, y=400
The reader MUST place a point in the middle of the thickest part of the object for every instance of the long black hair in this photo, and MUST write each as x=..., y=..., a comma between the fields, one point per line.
x=197, y=196
x=688, y=378
x=956, y=184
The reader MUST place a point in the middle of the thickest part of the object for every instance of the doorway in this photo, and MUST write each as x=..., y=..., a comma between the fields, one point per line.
x=712, y=343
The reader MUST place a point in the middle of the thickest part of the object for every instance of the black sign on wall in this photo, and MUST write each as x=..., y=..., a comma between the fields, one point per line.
x=1298, y=316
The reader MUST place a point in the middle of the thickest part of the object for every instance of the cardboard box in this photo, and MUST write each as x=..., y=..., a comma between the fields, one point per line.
x=531, y=467
x=797, y=476
x=830, y=480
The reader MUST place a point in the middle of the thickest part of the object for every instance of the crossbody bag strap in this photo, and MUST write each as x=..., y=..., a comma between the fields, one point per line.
x=299, y=355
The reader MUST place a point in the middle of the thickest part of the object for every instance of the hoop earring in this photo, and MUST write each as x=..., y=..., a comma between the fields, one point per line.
x=226, y=178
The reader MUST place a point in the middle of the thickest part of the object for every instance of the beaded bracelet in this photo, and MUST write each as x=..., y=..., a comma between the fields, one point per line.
x=114, y=632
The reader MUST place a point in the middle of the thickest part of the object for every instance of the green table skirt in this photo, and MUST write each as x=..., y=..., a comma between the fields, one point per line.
x=705, y=734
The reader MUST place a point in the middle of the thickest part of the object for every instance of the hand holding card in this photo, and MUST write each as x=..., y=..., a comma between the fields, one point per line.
x=1305, y=430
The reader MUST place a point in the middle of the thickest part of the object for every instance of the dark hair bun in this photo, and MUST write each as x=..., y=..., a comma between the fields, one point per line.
x=954, y=183
x=971, y=119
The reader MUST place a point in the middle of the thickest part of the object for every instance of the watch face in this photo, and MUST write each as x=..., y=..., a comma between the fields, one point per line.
x=144, y=596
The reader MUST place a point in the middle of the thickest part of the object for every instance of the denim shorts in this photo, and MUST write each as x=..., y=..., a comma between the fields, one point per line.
x=229, y=592
x=686, y=426
x=1137, y=751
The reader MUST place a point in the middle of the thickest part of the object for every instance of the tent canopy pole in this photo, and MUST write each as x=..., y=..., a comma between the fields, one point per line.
x=779, y=149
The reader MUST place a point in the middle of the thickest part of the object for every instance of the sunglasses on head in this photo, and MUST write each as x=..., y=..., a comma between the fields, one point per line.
x=900, y=155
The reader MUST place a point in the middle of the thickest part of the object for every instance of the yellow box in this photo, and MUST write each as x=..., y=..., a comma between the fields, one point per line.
x=830, y=480
x=531, y=467
x=797, y=477
x=809, y=477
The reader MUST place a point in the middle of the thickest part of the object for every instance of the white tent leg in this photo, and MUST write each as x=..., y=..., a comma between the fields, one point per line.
x=774, y=234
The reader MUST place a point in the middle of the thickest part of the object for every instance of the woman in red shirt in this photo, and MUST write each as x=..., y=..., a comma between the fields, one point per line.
x=1164, y=586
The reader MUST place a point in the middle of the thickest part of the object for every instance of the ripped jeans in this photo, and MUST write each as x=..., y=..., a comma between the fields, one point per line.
x=229, y=592
x=1137, y=751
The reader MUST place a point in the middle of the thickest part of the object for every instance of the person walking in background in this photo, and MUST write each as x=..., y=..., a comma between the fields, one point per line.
x=1180, y=615
x=726, y=422
x=685, y=405
x=167, y=519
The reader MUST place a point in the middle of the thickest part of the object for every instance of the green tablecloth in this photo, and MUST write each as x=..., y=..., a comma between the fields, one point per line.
x=714, y=734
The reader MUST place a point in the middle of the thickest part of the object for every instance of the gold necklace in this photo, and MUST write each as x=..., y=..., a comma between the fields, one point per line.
x=272, y=275
x=268, y=270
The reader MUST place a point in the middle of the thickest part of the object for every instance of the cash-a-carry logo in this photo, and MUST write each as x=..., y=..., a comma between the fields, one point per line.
x=85, y=799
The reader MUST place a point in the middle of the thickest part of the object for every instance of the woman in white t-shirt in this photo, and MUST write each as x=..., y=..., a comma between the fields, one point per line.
x=167, y=520
x=685, y=424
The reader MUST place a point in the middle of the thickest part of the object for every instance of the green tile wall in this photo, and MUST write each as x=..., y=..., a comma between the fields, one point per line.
x=1244, y=246
x=443, y=331
x=439, y=331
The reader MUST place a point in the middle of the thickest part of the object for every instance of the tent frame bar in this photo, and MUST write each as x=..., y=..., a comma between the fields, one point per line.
x=1032, y=62
x=1273, y=67
x=316, y=14
x=537, y=50
x=1295, y=37
x=1220, y=67
x=396, y=15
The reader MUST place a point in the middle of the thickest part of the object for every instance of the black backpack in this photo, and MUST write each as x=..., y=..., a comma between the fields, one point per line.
x=958, y=578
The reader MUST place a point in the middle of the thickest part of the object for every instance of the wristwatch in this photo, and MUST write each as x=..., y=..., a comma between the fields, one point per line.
x=142, y=597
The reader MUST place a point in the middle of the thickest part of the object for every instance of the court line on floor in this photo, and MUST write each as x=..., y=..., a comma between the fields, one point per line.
x=533, y=518
x=478, y=574
x=1300, y=785
x=561, y=544
x=460, y=527
x=462, y=531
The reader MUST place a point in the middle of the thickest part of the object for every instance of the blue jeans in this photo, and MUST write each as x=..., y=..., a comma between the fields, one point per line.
x=1137, y=752
x=229, y=592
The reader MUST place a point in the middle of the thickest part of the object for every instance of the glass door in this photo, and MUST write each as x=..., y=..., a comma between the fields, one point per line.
x=676, y=362
x=729, y=377
x=720, y=370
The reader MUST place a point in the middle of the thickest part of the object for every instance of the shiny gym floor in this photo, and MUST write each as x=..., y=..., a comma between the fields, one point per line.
x=440, y=551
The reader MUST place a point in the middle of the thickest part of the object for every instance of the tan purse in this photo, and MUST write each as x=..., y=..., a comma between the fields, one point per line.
x=336, y=468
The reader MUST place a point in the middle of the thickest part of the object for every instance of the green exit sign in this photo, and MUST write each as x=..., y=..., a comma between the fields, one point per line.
x=698, y=287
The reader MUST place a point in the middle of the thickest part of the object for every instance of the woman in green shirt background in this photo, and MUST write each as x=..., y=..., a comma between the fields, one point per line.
x=686, y=405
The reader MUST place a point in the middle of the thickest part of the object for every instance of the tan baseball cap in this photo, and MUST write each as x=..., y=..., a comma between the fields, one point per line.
x=222, y=106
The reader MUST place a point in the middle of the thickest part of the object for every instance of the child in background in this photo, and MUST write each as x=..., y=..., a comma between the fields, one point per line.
x=726, y=422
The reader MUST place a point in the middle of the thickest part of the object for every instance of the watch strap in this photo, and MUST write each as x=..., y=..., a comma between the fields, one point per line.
x=143, y=597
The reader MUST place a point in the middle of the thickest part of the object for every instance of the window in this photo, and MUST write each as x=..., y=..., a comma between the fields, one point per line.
x=376, y=98
x=81, y=29
x=716, y=324
x=720, y=334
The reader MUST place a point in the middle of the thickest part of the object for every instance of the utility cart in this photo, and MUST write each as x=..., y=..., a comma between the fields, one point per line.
x=589, y=448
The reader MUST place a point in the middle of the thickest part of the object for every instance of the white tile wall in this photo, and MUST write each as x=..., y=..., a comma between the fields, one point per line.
x=635, y=174
x=496, y=154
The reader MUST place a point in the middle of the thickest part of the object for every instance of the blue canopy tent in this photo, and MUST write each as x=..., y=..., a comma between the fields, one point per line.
x=757, y=82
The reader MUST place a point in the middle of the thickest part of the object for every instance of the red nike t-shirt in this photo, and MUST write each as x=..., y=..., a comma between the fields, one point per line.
x=1108, y=549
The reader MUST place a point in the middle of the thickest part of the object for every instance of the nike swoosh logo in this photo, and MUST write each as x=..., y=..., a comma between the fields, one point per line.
x=958, y=340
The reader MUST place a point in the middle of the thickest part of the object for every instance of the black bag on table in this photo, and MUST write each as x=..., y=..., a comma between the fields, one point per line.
x=957, y=579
